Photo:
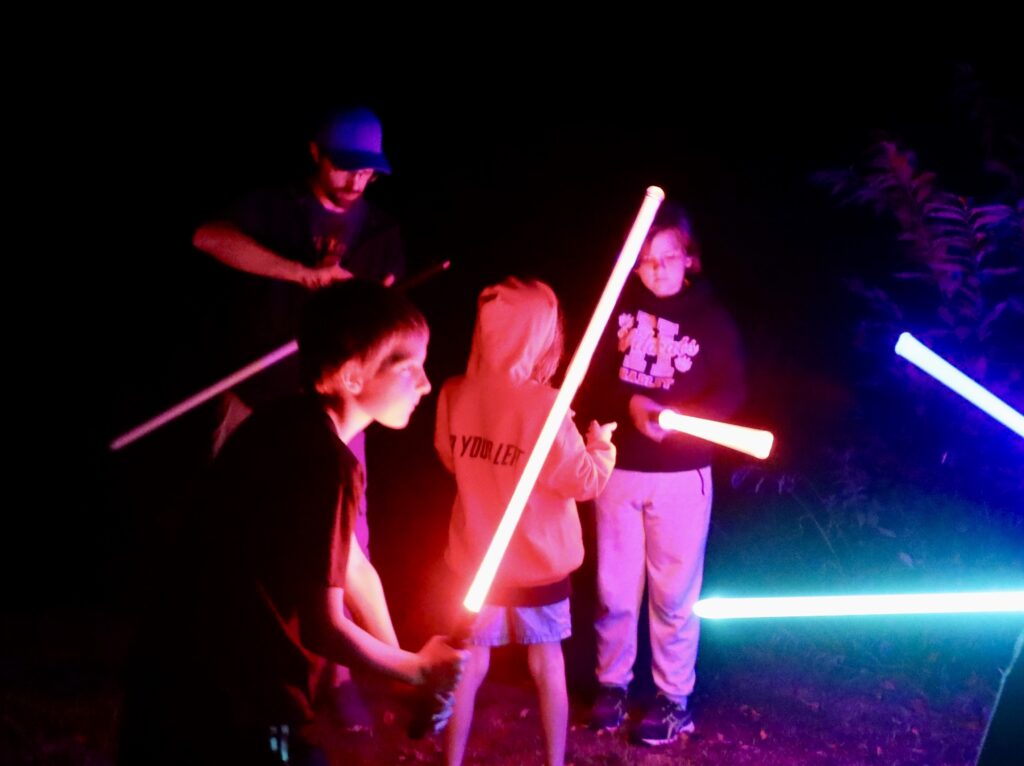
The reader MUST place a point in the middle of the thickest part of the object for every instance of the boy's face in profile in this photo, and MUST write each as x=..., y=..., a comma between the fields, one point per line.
x=662, y=264
x=394, y=380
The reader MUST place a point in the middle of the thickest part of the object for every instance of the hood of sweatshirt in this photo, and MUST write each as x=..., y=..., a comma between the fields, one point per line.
x=516, y=329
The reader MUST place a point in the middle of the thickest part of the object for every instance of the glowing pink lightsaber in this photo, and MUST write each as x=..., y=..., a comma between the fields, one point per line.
x=573, y=378
x=265, y=361
x=911, y=349
x=749, y=440
x=205, y=395
x=844, y=606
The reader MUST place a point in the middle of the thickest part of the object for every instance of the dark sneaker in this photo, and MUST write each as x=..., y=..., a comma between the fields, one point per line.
x=664, y=722
x=609, y=709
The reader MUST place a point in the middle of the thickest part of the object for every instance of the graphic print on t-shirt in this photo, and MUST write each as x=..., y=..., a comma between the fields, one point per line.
x=653, y=354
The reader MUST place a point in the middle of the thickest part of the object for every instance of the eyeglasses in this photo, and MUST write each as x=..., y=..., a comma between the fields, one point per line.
x=662, y=262
x=363, y=174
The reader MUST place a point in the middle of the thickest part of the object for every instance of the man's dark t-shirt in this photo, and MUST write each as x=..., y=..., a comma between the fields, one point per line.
x=263, y=313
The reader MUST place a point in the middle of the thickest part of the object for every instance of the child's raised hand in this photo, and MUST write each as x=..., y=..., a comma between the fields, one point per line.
x=600, y=434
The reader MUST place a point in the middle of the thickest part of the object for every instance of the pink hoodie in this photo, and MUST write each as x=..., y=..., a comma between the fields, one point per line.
x=487, y=423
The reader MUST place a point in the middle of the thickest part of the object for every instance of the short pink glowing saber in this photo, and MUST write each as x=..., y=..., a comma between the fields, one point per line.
x=749, y=440
x=573, y=378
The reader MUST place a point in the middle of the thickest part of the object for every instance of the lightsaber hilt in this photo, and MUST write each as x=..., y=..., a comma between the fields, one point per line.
x=427, y=705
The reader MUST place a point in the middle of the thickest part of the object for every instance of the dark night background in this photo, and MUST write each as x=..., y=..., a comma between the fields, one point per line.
x=503, y=166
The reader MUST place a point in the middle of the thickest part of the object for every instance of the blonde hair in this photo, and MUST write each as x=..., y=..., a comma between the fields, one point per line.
x=547, y=363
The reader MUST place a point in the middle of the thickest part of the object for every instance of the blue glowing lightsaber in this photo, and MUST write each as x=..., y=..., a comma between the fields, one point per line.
x=843, y=606
x=911, y=349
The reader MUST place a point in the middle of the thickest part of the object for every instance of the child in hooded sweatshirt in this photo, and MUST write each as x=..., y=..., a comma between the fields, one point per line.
x=487, y=422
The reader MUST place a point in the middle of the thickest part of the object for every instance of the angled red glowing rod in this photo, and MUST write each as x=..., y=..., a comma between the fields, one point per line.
x=574, y=375
x=429, y=716
x=268, y=360
x=749, y=440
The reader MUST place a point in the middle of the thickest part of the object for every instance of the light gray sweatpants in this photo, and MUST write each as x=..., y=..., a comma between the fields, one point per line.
x=651, y=527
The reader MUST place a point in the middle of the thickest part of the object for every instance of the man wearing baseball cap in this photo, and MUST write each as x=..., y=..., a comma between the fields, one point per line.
x=294, y=239
x=322, y=230
x=289, y=241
